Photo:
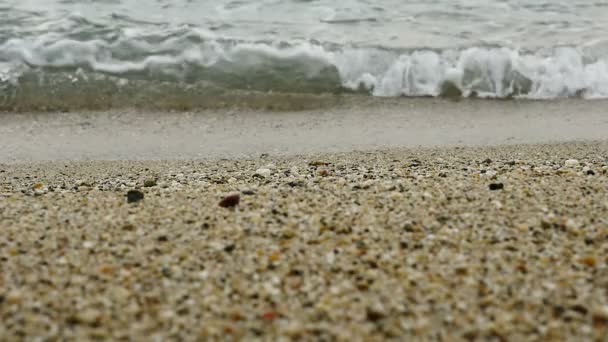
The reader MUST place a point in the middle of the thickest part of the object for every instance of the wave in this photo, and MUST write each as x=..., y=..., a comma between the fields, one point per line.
x=195, y=62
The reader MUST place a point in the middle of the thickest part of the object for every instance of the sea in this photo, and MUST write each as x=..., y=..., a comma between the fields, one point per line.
x=98, y=54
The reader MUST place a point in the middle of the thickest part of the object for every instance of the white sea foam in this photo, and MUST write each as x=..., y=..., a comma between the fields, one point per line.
x=481, y=71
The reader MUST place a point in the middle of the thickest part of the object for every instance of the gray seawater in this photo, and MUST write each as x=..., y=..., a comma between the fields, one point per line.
x=109, y=53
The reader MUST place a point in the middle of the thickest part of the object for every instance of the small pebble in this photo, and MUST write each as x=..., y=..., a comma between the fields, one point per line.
x=496, y=186
x=148, y=183
x=230, y=201
x=572, y=162
x=264, y=173
x=134, y=196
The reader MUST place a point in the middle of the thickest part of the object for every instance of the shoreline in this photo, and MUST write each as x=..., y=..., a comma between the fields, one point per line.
x=359, y=123
x=506, y=242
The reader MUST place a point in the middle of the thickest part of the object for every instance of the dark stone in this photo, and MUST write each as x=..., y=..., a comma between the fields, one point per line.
x=590, y=172
x=374, y=315
x=487, y=161
x=134, y=196
x=162, y=238
x=450, y=90
x=496, y=186
x=229, y=248
x=248, y=192
x=294, y=184
x=295, y=273
x=148, y=183
x=230, y=201
x=580, y=309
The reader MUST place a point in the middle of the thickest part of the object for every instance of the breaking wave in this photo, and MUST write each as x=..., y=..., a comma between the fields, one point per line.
x=188, y=66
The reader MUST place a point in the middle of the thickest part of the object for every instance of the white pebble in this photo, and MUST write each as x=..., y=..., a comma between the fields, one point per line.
x=263, y=172
x=572, y=162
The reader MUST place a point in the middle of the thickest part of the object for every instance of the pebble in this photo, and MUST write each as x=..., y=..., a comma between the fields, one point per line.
x=14, y=297
x=496, y=186
x=230, y=201
x=148, y=183
x=572, y=162
x=263, y=172
x=134, y=196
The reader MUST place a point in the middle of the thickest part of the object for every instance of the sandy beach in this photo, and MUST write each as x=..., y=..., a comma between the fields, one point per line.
x=451, y=243
x=298, y=170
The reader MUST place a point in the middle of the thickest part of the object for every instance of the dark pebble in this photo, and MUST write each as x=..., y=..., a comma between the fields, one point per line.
x=248, y=192
x=134, y=196
x=590, y=172
x=374, y=315
x=294, y=184
x=230, y=201
x=229, y=248
x=496, y=186
x=149, y=183
x=487, y=161
x=580, y=309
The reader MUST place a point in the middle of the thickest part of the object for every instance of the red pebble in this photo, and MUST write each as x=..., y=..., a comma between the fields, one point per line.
x=270, y=315
x=230, y=201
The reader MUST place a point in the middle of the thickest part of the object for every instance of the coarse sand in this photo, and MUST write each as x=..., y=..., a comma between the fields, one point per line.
x=494, y=243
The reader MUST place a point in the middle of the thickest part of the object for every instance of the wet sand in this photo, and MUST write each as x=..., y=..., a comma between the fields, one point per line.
x=356, y=123
x=467, y=243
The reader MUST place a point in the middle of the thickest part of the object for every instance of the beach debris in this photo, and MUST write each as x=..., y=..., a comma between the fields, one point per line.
x=496, y=186
x=148, y=183
x=134, y=196
x=263, y=173
x=230, y=201
x=572, y=162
